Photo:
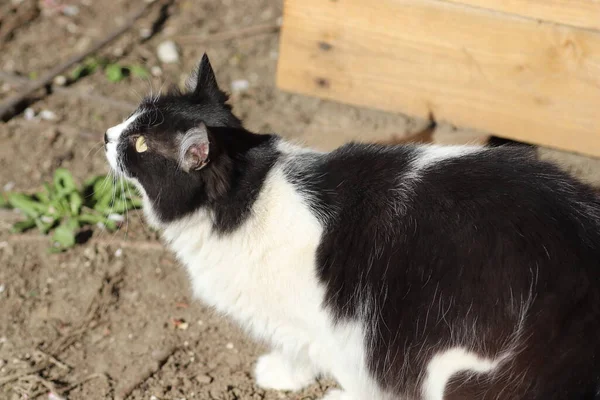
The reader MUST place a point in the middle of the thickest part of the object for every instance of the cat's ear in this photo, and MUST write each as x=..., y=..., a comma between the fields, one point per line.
x=203, y=83
x=194, y=149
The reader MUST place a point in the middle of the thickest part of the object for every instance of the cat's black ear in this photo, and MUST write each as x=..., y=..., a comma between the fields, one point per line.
x=203, y=83
x=194, y=149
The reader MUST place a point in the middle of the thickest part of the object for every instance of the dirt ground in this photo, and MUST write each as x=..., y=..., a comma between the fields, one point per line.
x=113, y=318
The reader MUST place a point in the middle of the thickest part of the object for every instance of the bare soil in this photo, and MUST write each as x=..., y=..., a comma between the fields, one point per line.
x=114, y=317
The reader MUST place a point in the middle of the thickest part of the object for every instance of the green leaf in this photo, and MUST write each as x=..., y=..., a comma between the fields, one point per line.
x=33, y=75
x=89, y=66
x=45, y=223
x=103, y=188
x=63, y=181
x=64, y=234
x=75, y=201
x=138, y=71
x=90, y=219
x=110, y=224
x=136, y=202
x=44, y=194
x=26, y=204
x=22, y=226
x=114, y=73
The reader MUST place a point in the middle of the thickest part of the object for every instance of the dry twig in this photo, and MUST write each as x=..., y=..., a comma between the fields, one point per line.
x=7, y=108
x=230, y=35
x=70, y=92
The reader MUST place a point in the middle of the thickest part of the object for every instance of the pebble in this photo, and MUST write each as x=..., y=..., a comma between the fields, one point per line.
x=9, y=186
x=156, y=70
x=167, y=52
x=229, y=345
x=29, y=114
x=60, y=80
x=54, y=396
x=240, y=85
x=204, y=379
x=70, y=10
x=145, y=33
x=48, y=115
x=2, y=288
x=153, y=397
x=118, y=252
x=116, y=217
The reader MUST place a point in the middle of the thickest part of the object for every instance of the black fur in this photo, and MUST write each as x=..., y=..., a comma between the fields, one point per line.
x=493, y=251
x=478, y=235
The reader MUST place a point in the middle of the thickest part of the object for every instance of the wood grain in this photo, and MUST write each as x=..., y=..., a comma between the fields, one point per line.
x=515, y=78
x=579, y=13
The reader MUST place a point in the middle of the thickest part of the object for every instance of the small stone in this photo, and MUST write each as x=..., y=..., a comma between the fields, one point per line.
x=167, y=52
x=156, y=70
x=229, y=345
x=70, y=10
x=48, y=115
x=130, y=336
x=60, y=80
x=9, y=186
x=118, y=252
x=116, y=217
x=118, y=52
x=154, y=397
x=54, y=396
x=2, y=287
x=145, y=33
x=29, y=114
x=204, y=379
x=200, y=322
x=240, y=85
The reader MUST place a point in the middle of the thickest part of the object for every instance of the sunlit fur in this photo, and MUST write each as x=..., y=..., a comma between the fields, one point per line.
x=403, y=272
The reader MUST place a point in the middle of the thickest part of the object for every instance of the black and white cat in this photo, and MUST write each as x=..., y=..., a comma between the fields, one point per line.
x=403, y=272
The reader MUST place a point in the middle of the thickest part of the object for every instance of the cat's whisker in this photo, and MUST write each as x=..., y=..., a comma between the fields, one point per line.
x=126, y=211
x=137, y=94
x=95, y=148
x=143, y=223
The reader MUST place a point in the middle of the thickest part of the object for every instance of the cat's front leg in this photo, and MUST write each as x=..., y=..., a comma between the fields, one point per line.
x=277, y=371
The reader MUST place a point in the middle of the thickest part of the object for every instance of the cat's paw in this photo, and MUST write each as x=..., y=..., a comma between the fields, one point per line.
x=337, y=394
x=274, y=371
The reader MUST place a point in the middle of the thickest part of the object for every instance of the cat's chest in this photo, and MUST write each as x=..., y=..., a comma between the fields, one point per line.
x=263, y=275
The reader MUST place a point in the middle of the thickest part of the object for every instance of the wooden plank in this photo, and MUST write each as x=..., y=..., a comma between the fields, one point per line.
x=519, y=79
x=579, y=13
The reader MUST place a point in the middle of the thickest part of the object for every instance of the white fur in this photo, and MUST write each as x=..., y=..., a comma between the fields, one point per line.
x=263, y=275
x=114, y=134
x=432, y=154
x=446, y=364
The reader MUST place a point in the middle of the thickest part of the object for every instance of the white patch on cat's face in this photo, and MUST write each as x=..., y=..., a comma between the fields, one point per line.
x=113, y=135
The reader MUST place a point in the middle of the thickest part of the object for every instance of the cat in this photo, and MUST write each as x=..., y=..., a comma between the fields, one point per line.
x=402, y=272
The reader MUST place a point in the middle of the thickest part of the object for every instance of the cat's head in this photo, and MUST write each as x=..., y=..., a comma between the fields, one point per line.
x=177, y=147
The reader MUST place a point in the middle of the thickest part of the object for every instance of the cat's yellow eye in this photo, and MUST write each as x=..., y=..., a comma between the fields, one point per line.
x=140, y=144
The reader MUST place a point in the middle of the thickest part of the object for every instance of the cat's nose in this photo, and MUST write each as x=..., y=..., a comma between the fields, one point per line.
x=106, y=137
